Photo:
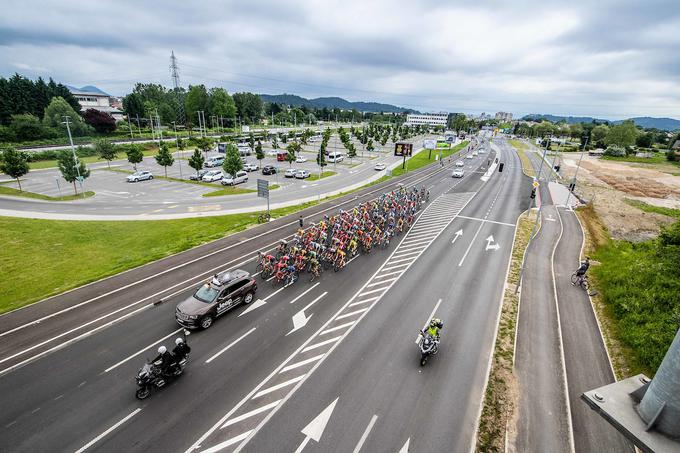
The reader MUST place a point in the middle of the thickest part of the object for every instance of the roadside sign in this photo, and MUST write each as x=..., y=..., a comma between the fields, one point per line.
x=263, y=188
x=429, y=144
x=403, y=149
x=536, y=184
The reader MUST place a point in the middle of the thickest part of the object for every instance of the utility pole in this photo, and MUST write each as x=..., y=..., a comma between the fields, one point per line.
x=572, y=186
x=153, y=136
x=160, y=131
x=130, y=126
x=179, y=161
x=200, y=129
x=174, y=73
x=73, y=150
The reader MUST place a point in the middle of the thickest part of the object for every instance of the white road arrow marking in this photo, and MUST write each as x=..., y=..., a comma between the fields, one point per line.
x=300, y=319
x=257, y=304
x=550, y=218
x=489, y=240
x=459, y=233
x=404, y=449
x=314, y=430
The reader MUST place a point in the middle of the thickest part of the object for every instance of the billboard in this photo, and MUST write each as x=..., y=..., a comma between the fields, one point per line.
x=403, y=149
x=429, y=144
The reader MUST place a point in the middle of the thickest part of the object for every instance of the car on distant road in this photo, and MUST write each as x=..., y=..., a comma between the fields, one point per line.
x=250, y=167
x=290, y=173
x=460, y=163
x=379, y=166
x=457, y=173
x=140, y=176
x=300, y=160
x=238, y=178
x=481, y=151
x=269, y=170
x=301, y=174
x=198, y=175
x=475, y=153
x=215, y=161
x=212, y=175
x=215, y=297
x=469, y=156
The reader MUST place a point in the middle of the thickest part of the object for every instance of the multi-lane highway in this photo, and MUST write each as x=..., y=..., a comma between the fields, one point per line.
x=346, y=378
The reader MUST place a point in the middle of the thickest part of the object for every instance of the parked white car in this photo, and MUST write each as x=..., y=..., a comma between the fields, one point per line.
x=379, y=166
x=301, y=174
x=300, y=160
x=140, y=176
x=213, y=175
x=238, y=178
x=460, y=163
x=250, y=167
x=290, y=173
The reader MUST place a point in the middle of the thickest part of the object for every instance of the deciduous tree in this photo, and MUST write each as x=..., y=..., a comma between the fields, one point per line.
x=232, y=161
x=71, y=168
x=102, y=122
x=134, y=155
x=14, y=163
x=164, y=158
x=196, y=160
x=105, y=150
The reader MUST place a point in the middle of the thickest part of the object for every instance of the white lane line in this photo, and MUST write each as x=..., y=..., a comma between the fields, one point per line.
x=409, y=249
x=350, y=314
x=418, y=239
x=278, y=386
x=401, y=260
x=401, y=255
x=430, y=318
x=490, y=221
x=387, y=274
x=333, y=329
x=471, y=243
x=365, y=301
x=231, y=344
x=227, y=443
x=301, y=363
x=306, y=291
x=67, y=342
x=320, y=344
x=395, y=267
x=259, y=410
x=382, y=282
x=102, y=435
x=141, y=350
x=366, y=293
x=365, y=435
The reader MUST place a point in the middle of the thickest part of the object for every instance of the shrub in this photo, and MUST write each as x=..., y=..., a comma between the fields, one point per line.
x=615, y=151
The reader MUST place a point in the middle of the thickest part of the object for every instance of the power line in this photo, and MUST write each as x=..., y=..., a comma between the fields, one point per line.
x=174, y=74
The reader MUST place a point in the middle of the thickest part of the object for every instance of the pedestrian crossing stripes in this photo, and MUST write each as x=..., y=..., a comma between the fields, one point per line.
x=277, y=387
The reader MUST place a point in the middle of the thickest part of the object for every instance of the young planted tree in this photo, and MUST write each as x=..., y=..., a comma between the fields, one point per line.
x=293, y=148
x=105, y=150
x=284, y=138
x=134, y=155
x=196, y=160
x=369, y=145
x=275, y=142
x=232, y=161
x=259, y=153
x=71, y=169
x=206, y=145
x=351, y=152
x=14, y=163
x=251, y=140
x=164, y=158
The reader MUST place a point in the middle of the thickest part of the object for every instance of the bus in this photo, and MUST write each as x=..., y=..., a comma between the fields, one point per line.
x=281, y=155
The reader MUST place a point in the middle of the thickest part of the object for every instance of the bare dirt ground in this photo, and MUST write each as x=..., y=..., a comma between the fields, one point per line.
x=608, y=183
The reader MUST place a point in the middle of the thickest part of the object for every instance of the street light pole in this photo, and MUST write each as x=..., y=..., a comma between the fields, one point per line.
x=73, y=150
x=572, y=186
x=179, y=161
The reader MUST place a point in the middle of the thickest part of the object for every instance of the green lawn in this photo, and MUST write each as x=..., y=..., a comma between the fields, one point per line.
x=658, y=158
x=22, y=193
x=421, y=159
x=522, y=148
x=670, y=212
x=46, y=257
x=233, y=190
x=325, y=174
x=88, y=159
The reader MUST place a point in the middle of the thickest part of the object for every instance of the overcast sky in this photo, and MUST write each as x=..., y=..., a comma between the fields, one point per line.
x=604, y=58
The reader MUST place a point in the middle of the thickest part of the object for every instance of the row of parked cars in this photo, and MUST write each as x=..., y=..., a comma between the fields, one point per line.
x=226, y=179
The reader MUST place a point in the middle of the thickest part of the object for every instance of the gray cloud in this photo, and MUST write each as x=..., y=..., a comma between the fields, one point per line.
x=607, y=58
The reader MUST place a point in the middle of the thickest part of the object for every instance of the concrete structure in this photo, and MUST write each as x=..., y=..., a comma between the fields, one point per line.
x=503, y=116
x=429, y=119
x=97, y=101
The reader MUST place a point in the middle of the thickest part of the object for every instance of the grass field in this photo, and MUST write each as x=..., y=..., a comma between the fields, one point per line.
x=42, y=164
x=423, y=158
x=315, y=176
x=658, y=158
x=638, y=285
x=38, y=196
x=46, y=257
x=675, y=213
x=522, y=148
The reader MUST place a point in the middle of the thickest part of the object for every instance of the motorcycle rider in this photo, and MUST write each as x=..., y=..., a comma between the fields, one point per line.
x=181, y=349
x=166, y=358
x=433, y=330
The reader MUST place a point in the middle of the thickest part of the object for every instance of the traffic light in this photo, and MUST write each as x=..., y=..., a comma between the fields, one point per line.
x=500, y=167
x=557, y=168
x=533, y=193
x=572, y=186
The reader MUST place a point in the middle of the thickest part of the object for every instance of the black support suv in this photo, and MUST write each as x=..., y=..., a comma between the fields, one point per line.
x=214, y=298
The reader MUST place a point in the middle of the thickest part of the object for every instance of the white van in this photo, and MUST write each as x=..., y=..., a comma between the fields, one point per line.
x=335, y=157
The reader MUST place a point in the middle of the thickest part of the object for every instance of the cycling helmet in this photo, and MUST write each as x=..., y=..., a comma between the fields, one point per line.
x=178, y=341
x=162, y=350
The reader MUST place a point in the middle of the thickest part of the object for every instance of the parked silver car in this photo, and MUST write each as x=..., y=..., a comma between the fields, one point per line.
x=238, y=178
x=213, y=175
x=140, y=176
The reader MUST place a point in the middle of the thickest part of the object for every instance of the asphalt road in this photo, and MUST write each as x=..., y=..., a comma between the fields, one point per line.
x=117, y=199
x=560, y=352
x=79, y=392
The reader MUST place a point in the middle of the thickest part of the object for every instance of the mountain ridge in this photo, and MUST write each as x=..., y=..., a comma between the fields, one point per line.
x=666, y=124
x=332, y=102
